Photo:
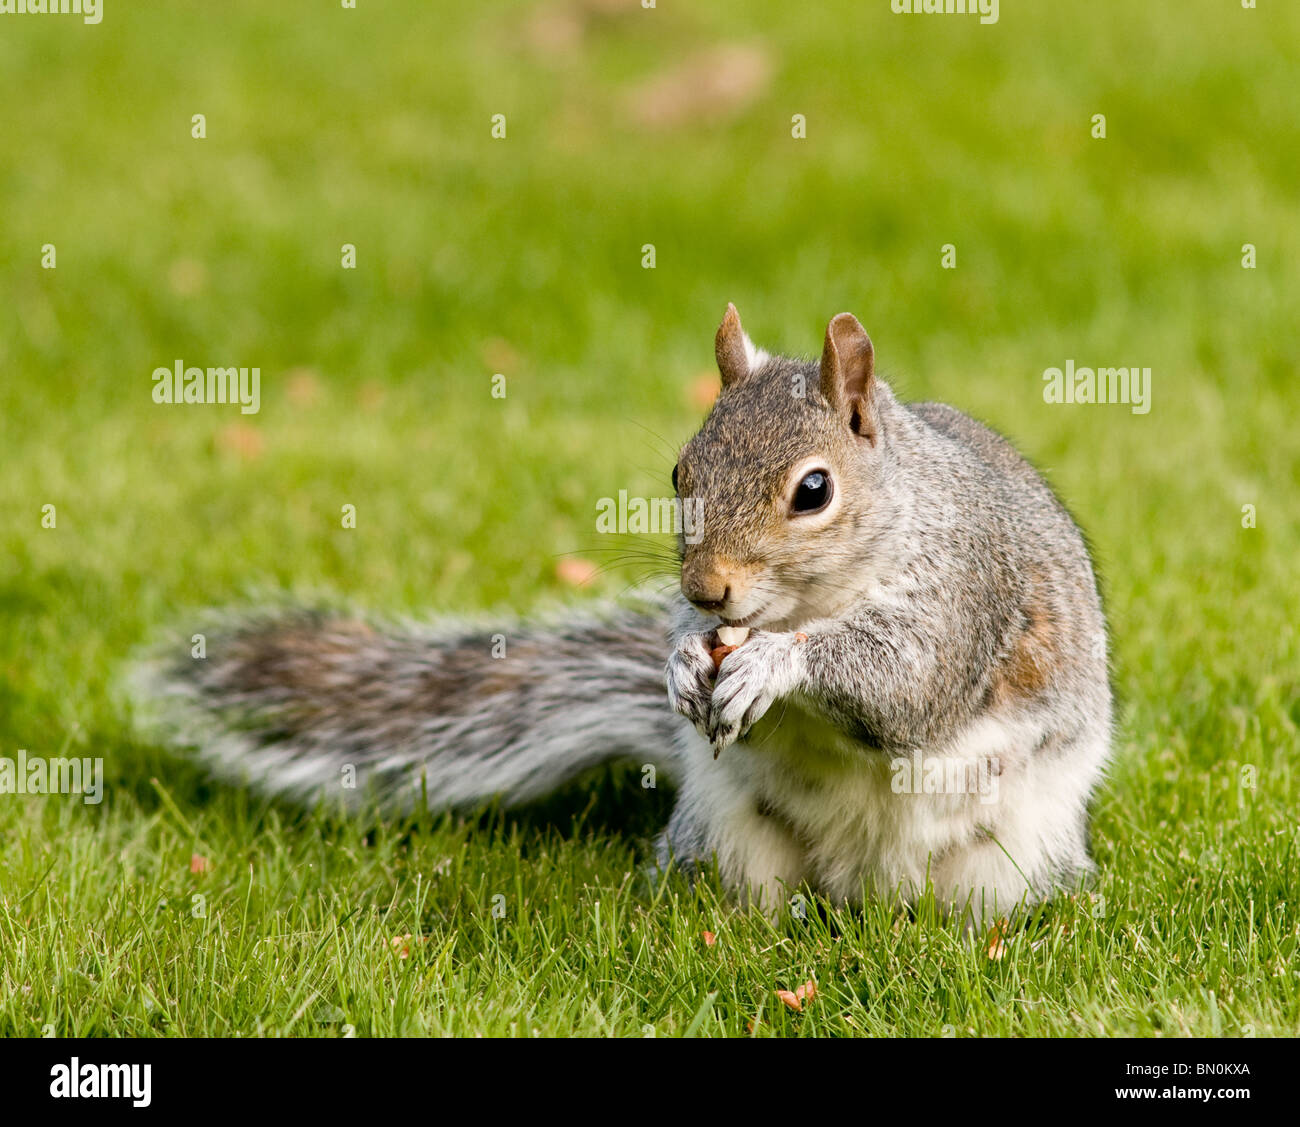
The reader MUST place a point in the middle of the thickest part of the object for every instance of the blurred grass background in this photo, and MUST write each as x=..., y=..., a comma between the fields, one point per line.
x=522, y=256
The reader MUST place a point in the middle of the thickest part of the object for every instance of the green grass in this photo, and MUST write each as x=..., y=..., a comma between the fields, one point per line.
x=522, y=256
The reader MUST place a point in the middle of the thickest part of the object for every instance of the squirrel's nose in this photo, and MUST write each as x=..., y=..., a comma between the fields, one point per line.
x=705, y=603
x=708, y=588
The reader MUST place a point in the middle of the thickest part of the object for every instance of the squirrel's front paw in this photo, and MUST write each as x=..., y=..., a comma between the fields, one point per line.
x=752, y=676
x=689, y=677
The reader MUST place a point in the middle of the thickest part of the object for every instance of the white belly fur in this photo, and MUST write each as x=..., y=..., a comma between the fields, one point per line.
x=799, y=801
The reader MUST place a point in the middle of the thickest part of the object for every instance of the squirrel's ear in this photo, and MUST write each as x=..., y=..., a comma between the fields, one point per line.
x=848, y=373
x=736, y=353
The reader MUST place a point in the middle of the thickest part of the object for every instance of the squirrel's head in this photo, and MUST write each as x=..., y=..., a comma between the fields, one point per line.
x=783, y=480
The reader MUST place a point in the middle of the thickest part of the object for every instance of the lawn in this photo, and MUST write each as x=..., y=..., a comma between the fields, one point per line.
x=522, y=256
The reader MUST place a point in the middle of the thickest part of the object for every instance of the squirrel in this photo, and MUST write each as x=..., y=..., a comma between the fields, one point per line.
x=922, y=699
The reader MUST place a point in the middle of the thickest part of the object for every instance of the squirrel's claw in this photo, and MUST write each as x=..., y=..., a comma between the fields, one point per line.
x=689, y=679
x=752, y=677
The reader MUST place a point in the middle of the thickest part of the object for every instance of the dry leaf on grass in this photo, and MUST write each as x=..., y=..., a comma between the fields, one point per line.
x=796, y=998
x=401, y=944
x=711, y=85
x=788, y=997
x=301, y=387
x=998, y=940
x=558, y=27
x=239, y=440
x=555, y=29
x=703, y=390
x=575, y=572
x=500, y=355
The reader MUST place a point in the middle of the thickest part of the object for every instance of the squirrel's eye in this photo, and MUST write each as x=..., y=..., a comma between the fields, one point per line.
x=813, y=493
x=674, y=479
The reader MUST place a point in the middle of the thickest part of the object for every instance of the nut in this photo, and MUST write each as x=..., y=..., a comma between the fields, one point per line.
x=718, y=653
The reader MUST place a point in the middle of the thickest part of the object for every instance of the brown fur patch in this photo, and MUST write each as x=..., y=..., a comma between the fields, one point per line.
x=295, y=659
x=467, y=675
x=313, y=672
x=1028, y=667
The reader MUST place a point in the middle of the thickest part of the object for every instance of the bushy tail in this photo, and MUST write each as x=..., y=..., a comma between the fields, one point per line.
x=319, y=705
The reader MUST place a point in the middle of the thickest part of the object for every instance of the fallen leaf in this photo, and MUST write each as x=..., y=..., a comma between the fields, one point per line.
x=302, y=387
x=997, y=939
x=242, y=441
x=703, y=390
x=199, y=863
x=401, y=944
x=500, y=355
x=575, y=572
x=555, y=29
x=790, y=999
x=709, y=938
x=711, y=85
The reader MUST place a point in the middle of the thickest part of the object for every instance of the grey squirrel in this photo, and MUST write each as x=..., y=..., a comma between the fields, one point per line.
x=922, y=696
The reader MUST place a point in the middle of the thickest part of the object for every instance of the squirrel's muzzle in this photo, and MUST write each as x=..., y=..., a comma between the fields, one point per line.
x=713, y=585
